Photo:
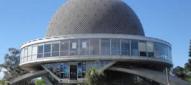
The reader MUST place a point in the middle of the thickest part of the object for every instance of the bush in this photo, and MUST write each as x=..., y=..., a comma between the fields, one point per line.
x=40, y=82
x=94, y=77
x=3, y=82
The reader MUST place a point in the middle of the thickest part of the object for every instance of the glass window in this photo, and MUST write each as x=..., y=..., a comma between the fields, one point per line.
x=169, y=54
x=29, y=50
x=73, y=47
x=125, y=47
x=30, y=53
x=84, y=47
x=115, y=47
x=64, y=71
x=64, y=48
x=134, y=48
x=84, y=44
x=94, y=46
x=157, y=49
x=166, y=56
x=47, y=50
x=81, y=70
x=22, y=55
x=150, y=49
x=161, y=50
x=34, y=50
x=55, y=49
x=142, y=48
x=40, y=51
x=25, y=52
x=25, y=59
x=105, y=46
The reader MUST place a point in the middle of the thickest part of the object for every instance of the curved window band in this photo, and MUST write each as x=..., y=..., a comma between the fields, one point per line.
x=98, y=47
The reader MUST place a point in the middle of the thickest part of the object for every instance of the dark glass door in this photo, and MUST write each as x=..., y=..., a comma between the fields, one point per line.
x=73, y=72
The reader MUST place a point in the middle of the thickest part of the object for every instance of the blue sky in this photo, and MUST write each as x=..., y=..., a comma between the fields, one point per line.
x=170, y=20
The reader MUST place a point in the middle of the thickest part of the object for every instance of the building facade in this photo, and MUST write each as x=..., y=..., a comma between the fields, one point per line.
x=102, y=34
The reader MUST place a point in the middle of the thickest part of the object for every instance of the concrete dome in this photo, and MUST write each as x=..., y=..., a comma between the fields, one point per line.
x=94, y=16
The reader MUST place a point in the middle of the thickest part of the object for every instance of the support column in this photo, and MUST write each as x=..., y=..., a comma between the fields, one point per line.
x=167, y=76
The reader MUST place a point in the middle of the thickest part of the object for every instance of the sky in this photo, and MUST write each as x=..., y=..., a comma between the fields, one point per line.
x=170, y=20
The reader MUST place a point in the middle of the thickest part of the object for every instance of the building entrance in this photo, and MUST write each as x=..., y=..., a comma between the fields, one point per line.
x=73, y=72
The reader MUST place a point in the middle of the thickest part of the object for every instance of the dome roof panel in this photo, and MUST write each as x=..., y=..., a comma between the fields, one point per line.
x=94, y=16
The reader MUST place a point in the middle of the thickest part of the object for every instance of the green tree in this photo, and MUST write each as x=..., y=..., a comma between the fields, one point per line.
x=190, y=49
x=188, y=64
x=95, y=77
x=180, y=72
x=184, y=72
x=11, y=64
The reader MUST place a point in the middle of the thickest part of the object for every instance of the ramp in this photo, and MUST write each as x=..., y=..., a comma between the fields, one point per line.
x=152, y=75
x=27, y=76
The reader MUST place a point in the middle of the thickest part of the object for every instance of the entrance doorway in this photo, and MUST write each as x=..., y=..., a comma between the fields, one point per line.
x=73, y=72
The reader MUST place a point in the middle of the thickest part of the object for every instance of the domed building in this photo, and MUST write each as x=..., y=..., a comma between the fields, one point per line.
x=102, y=34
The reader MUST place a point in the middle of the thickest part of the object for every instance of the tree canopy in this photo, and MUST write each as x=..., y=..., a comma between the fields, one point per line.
x=11, y=64
x=184, y=72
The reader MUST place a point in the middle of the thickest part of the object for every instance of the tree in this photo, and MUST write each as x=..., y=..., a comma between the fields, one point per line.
x=190, y=49
x=180, y=72
x=11, y=64
x=95, y=77
x=188, y=64
x=184, y=72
